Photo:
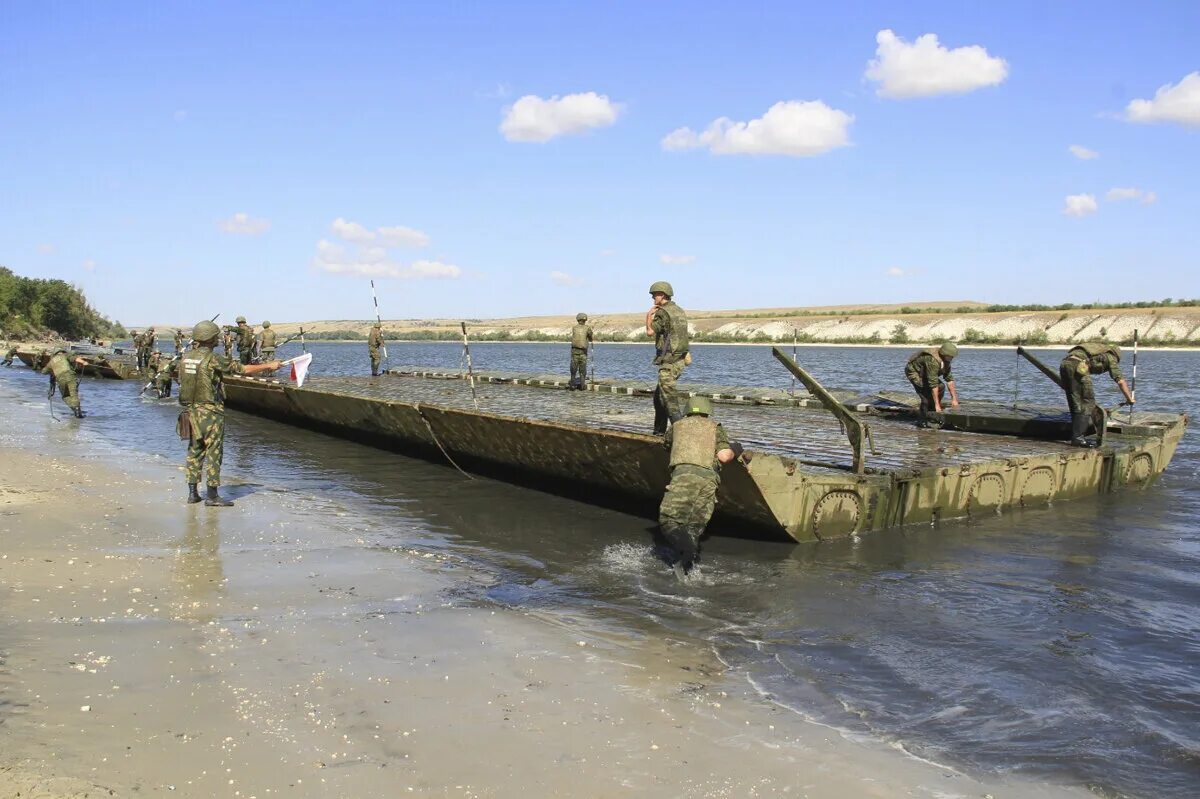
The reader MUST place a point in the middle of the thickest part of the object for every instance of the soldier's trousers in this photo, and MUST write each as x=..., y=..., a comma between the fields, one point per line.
x=143, y=358
x=926, y=412
x=1081, y=395
x=163, y=386
x=686, y=509
x=69, y=389
x=206, y=448
x=268, y=354
x=245, y=354
x=666, y=395
x=578, y=367
x=375, y=361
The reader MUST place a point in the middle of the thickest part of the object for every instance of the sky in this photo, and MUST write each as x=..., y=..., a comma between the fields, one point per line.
x=480, y=160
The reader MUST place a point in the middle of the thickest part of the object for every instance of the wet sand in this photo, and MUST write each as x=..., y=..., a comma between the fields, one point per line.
x=148, y=647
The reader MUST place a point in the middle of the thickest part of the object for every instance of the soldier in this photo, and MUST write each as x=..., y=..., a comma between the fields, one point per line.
x=698, y=447
x=926, y=370
x=62, y=373
x=667, y=324
x=145, y=347
x=245, y=341
x=178, y=341
x=200, y=392
x=1076, y=370
x=581, y=337
x=266, y=342
x=374, y=345
x=135, y=339
x=167, y=371
x=227, y=340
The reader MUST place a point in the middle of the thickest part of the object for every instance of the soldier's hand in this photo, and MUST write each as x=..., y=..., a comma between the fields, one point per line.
x=274, y=365
x=953, y=403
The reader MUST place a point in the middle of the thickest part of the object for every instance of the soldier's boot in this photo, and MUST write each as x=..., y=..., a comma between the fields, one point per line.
x=193, y=494
x=1079, y=428
x=79, y=414
x=214, y=500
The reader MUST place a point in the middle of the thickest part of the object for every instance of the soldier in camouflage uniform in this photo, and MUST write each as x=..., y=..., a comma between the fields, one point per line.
x=266, y=343
x=1076, y=370
x=203, y=397
x=667, y=324
x=166, y=371
x=61, y=371
x=698, y=447
x=374, y=346
x=926, y=370
x=581, y=337
x=227, y=340
x=178, y=341
x=245, y=341
x=145, y=347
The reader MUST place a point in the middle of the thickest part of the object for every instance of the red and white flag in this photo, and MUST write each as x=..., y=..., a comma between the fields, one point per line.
x=300, y=368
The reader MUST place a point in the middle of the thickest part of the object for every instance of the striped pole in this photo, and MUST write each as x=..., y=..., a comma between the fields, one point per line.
x=378, y=319
x=1133, y=385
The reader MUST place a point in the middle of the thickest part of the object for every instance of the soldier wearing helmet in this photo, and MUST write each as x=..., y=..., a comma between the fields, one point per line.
x=62, y=374
x=1076, y=370
x=581, y=338
x=245, y=341
x=201, y=372
x=266, y=342
x=376, y=347
x=698, y=446
x=178, y=341
x=145, y=346
x=927, y=370
x=667, y=324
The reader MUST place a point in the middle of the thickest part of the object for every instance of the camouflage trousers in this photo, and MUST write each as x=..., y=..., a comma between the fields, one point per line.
x=926, y=412
x=163, y=386
x=666, y=395
x=1081, y=394
x=245, y=355
x=206, y=448
x=69, y=389
x=375, y=360
x=579, y=361
x=143, y=358
x=268, y=354
x=686, y=508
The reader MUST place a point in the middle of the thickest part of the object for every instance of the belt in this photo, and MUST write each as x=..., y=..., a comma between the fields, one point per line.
x=691, y=468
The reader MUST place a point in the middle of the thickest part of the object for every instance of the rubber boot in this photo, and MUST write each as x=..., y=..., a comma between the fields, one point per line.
x=660, y=415
x=213, y=500
x=78, y=412
x=193, y=494
x=1079, y=428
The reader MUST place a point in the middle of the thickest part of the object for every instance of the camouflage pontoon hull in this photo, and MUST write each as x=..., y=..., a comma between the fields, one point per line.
x=109, y=366
x=799, y=484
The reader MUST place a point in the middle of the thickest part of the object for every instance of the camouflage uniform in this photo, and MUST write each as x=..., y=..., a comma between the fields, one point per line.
x=61, y=373
x=227, y=341
x=581, y=336
x=178, y=342
x=374, y=345
x=926, y=370
x=670, y=328
x=168, y=370
x=245, y=342
x=691, y=495
x=1076, y=372
x=267, y=344
x=145, y=346
x=200, y=391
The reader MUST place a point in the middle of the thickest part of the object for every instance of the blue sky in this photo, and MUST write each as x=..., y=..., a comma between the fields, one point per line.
x=358, y=139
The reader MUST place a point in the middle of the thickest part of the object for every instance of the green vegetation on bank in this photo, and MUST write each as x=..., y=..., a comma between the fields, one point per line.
x=32, y=307
x=962, y=309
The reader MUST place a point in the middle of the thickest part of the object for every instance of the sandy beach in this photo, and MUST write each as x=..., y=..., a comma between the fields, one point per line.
x=152, y=648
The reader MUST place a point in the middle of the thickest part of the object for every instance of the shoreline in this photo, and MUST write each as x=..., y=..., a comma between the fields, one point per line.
x=279, y=647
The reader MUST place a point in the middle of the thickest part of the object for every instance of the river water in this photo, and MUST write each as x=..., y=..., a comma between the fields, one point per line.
x=1059, y=643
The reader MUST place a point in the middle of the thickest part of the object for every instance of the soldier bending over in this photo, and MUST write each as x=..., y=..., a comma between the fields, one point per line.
x=1076, y=372
x=926, y=370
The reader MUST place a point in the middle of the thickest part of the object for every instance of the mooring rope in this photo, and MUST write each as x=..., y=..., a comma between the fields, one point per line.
x=433, y=435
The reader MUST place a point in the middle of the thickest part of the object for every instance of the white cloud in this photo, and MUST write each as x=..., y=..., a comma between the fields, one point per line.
x=564, y=279
x=895, y=271
x=47, y=249
x=401, y=236
x=925, y=68
x=244, y=225
x=676, y=260
x=1121, y=194
x=1082, y=153
x=790, y=127
x=1080, y=205
x=89, y=265
x=533, y=119
x=373, y=261
x=1179, y=103
x=351, y=231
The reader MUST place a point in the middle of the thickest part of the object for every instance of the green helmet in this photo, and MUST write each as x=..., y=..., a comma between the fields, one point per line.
x=948, y=350
x=266, y=324
x=698, y=405
x=1116, y=351
x=241, y=320
x=580, y=317
x=205, y=331
x=662, y=287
